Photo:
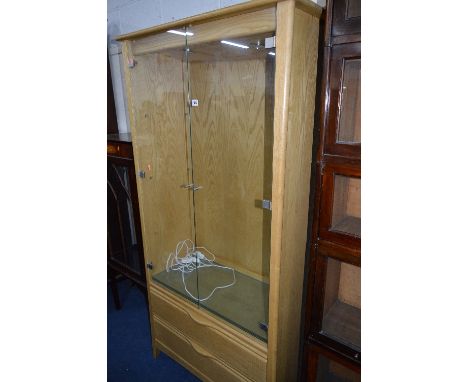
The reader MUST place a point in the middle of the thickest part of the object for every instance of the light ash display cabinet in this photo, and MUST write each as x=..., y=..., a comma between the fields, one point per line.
x=221, y=110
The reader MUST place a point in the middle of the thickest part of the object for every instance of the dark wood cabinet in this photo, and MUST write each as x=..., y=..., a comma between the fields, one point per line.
x=124, y=242
x=332, y=302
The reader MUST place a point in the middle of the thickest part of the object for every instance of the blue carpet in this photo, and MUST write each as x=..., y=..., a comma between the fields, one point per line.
x=129, y=354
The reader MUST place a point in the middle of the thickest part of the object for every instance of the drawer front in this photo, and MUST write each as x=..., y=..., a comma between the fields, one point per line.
x=192, y=355
x=243, y=353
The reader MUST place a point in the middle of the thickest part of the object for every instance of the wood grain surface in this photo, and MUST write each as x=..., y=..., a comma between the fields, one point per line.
x=229, y=150
x=223, y=13
x=295, y=84
x=254, y=23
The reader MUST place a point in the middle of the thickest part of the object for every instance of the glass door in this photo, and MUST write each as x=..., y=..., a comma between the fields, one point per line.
x=340, y=217
x=336, y=315
x=231, y=95
x=161, y=140
x=203, y=104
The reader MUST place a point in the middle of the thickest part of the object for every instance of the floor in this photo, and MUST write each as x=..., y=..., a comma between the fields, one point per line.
x=129, y=356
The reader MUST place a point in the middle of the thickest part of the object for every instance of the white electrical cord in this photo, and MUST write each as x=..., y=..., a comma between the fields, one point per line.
x=194, y=259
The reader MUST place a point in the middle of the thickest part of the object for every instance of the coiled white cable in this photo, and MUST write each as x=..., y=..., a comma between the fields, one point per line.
x=194, y=259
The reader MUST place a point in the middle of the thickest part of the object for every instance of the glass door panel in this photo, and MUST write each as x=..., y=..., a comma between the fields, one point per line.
x=340, y=216
x=231, y=117
x=349, y=125
x=341, y=319
x=204, y=112
x=160, y=140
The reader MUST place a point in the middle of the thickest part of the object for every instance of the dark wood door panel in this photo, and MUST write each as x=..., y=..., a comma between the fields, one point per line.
x=346, y=17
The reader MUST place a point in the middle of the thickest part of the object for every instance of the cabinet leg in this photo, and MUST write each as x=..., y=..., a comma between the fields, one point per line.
x=156, y=351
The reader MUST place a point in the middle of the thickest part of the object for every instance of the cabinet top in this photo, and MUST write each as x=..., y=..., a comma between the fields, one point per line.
x=307, y=5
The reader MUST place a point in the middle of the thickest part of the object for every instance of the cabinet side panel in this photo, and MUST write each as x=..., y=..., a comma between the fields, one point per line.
x=291, y=220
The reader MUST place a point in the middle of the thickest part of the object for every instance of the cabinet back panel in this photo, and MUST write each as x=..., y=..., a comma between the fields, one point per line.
x=353, y=207
x=350, y=285
x=232, y=138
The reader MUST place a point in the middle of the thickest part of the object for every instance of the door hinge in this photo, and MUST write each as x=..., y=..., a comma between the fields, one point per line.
x=265, y=204
x=149, y=265
x=141, y=174
x=191, y=186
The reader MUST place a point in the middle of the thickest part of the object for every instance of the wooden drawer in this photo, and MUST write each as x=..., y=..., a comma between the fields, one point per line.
x=242, y=352
x=192, y=355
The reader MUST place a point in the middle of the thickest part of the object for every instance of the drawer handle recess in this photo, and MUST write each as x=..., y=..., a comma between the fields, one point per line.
x=200, y=350
x=207, y=324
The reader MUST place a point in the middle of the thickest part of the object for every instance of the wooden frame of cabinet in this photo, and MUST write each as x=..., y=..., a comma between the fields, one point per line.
x=296, y=25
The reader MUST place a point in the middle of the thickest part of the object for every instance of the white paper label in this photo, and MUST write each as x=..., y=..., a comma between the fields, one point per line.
x=270, y=42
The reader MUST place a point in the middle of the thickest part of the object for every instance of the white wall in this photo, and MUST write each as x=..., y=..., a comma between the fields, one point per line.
x=125, y=16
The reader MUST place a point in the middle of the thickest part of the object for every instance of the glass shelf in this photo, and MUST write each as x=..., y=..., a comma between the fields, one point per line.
x=342, y=304
x=245, y=304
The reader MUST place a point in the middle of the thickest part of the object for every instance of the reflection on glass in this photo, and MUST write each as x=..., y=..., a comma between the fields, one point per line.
x=342, y=303
x=346, y=216
x=228, y=103
x=330, y=371
x=349, y=127
x=122, y=237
